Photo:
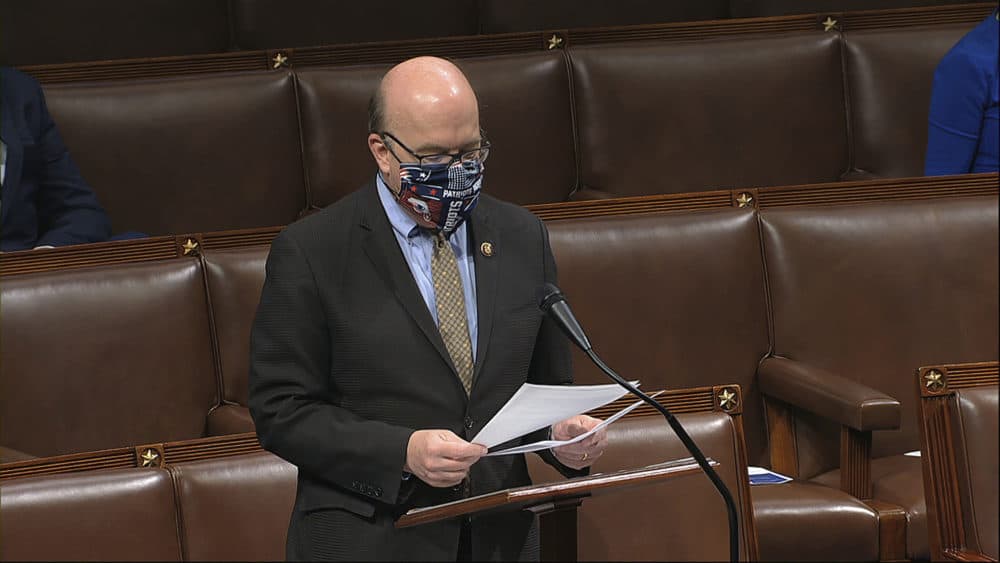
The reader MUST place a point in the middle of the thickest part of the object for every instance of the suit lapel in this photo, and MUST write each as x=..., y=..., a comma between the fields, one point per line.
x=487, y=260
x=383, y=250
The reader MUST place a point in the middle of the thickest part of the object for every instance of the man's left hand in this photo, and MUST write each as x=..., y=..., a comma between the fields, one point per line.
x=583, y=453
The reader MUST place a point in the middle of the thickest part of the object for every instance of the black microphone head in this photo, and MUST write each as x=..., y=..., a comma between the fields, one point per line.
x=548, y=295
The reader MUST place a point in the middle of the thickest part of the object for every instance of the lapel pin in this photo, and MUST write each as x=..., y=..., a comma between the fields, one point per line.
x=486, y=248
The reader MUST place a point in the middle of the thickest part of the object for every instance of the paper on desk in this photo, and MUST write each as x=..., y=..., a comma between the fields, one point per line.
x=536, y=406
x=546, y=444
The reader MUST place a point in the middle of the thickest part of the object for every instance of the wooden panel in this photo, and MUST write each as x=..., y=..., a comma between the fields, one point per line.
x=856, y=463
x=784, y=454
x=891, y=531
x=87, y=255
x=893, y=189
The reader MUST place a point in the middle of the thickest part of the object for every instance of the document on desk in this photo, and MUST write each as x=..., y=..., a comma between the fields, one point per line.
x=536, y=406
x=546, y=444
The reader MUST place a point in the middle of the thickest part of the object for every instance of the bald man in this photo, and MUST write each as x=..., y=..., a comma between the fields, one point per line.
x=393, y=325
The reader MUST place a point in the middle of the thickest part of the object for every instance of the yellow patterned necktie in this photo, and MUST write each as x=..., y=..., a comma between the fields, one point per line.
x=450, y=299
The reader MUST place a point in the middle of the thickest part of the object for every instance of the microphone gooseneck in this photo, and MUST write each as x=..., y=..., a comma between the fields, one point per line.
x=553, y=303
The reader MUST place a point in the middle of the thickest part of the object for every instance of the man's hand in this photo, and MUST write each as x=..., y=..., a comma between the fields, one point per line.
x=584, y=452
x=440, y=458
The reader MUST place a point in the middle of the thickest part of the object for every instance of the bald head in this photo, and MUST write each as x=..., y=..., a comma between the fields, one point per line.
x=429, y=106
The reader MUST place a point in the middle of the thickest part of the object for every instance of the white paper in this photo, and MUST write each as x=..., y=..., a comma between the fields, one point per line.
x=762, y=476
x=536, y=406
x=914, y=453
x=546, y=444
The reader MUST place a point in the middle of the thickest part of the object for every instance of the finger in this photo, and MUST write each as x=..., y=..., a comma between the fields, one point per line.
x=445, y=478
x=447, y=464
x=459, y=450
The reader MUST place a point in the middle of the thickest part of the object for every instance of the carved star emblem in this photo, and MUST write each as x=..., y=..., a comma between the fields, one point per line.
x=744, y=199
x=150, y=458
x=727, y=400
x=189, y=246
x=555, y=41
x=279, y=60
x=934, y=380
x=829, y=24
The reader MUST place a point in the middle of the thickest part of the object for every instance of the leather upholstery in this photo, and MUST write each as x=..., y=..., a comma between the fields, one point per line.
x=126, y=515
x=761, y=8
x=235, y=509
x=652, y=120
x=273, y=24
x=512, y=90
x=506, y=16
x=975, y=426
x=679, y=520
x=801, y=521
x=105, y=357
x=867, y=292
x=656, y=296
x=186, y=154
x=889, y=77
x=62, y=31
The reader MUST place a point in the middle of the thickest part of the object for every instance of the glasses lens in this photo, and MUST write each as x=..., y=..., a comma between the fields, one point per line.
x=437, y=159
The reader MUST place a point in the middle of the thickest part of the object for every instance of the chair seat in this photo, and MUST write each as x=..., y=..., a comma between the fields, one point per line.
x=897, y=480
x=801, y=521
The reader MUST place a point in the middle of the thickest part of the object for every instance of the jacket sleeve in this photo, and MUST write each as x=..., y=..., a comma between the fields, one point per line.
x=291, y=399
x=958, y=103
x=68, y=210
x=551, y=363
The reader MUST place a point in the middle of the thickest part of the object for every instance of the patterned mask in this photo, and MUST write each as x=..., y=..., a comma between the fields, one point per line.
x=439, y=194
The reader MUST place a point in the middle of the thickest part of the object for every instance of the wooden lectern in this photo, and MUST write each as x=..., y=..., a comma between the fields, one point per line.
x=563, y=496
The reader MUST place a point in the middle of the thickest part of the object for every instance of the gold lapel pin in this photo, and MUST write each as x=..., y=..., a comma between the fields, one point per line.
x=486, y=248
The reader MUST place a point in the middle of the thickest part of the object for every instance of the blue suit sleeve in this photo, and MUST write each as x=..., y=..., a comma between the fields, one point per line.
x=68, y=210
x=956, y=115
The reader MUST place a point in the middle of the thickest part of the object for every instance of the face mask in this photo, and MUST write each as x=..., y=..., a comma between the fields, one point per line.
x=438, y=195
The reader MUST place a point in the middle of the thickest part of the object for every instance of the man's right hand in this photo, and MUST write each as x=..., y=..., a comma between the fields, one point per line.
x=440, y=458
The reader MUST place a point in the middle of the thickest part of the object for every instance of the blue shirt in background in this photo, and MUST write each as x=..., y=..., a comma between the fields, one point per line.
x=963, y=134
x=418, y=247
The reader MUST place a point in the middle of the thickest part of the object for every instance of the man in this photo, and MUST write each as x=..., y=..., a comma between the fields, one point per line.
x=44, y=201
x=393, y=325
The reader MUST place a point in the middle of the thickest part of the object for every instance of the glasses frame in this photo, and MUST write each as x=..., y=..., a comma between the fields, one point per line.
x=484, y=146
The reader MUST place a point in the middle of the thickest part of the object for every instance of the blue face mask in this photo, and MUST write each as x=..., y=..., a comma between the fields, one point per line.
x=440, y=196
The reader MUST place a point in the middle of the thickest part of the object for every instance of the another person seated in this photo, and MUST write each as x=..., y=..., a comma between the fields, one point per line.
x=44, y=201
x=963, y=133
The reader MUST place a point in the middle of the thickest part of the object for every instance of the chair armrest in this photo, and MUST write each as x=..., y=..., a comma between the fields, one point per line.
x=826, y=394
x=586, y=194
x=229, y=419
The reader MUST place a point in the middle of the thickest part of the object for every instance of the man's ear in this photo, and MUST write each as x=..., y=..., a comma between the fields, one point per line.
x=380, y=153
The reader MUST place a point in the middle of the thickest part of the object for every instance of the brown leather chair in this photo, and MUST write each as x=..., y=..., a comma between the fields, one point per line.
x=506, y=16
x=272, y=24
x=671, y=117
x=958, y=436
x=889, y=74
x=105, y=357
x=235, y=278
x=187, y=154
x=761, y=8
x=118, y=515
x=859, y=295
x=62, y=31
x=526, y=165
x=679, y=300
x=235, y=509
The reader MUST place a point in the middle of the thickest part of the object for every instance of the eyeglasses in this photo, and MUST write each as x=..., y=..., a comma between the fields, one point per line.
x=475, y=155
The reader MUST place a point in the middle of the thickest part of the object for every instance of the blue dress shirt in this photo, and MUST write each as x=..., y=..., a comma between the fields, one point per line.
x=418, y=247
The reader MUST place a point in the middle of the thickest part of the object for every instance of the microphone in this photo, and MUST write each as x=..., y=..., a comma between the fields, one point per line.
x=553, y=303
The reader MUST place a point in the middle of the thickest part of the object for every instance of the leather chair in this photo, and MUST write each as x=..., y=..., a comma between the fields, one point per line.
x=507, y=16
x=889, y=73
x=105, y=357
x=653, y=118
x=762, y=8
x=63, y=31
x=236, y=508
x=958, y=429
x=859, y=295
x=513, y=90
x=679, y=300
x=273, y=24
x=118, y=515
x=187, y=154
x=235, y=278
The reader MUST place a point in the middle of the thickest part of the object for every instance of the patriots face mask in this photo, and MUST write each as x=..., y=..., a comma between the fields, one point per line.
x=440, y=196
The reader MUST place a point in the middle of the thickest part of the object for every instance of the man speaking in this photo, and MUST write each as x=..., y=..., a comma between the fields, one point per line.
x=393, y=325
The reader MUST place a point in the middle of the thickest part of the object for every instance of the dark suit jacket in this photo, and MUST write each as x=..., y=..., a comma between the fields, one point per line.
x=44, y=200
x=346, y=362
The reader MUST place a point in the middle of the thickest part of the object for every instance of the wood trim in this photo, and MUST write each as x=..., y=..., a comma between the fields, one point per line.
x=945, y=519
x=856, y=463
x=87, y=255
x=783, y=448
x=891, y=530
x=678, y=401
x=878, y=190
x=130, y=457
x=390, y=52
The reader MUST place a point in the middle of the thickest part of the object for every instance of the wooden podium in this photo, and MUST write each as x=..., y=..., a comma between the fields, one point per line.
x=562, y=496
